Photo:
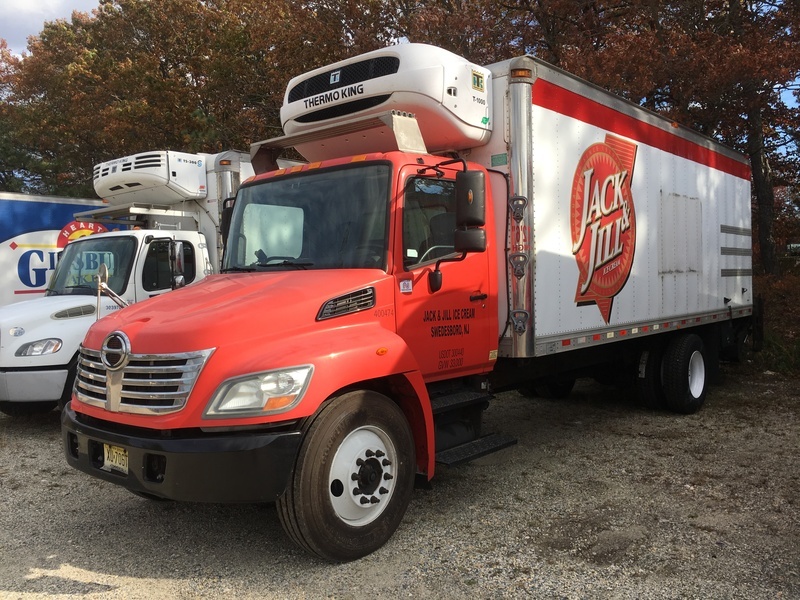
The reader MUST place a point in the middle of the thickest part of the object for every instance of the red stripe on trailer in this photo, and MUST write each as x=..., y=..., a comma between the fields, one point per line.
x=552, y=97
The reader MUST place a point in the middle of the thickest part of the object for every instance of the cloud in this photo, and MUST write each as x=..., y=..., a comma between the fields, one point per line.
x=18, y=20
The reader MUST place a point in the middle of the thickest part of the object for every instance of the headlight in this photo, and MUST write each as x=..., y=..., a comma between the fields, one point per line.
x=260, y=393
x=40, y=348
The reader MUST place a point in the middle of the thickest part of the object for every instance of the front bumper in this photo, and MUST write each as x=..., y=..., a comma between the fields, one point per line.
x=32, y=386
x=230, y=467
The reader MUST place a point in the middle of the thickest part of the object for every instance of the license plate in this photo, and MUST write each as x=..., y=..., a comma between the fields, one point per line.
x=115, y=458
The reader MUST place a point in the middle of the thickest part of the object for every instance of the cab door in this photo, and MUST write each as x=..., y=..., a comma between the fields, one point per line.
x=448, y=330
x=155, y=275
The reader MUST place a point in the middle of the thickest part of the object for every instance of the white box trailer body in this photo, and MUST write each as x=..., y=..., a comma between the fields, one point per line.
x=33, y=230
x=672, y=247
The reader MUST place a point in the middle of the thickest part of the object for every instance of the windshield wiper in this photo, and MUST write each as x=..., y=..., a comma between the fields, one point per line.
x=68, y=289
x=238, y=270
x=299, y=264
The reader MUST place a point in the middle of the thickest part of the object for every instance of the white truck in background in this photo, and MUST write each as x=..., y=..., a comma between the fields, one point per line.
x=154, y=199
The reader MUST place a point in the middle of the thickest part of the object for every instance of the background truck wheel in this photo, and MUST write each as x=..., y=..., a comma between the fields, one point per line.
x=557, y=387
x=684, y=374
x=23, y=409
x=649, y=388
x=66, y=395
x=353, y=478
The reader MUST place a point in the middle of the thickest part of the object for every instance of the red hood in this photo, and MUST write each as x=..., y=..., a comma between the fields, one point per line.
x=241, y=305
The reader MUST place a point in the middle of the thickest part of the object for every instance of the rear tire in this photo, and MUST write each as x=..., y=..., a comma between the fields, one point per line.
x=353, y=478
x=684, y=374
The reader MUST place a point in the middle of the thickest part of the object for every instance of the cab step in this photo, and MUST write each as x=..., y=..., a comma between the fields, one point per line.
x=454, y=400
x=474, y=449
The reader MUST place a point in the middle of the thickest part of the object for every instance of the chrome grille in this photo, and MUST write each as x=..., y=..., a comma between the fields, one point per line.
x=150, y=384
x=349, y=303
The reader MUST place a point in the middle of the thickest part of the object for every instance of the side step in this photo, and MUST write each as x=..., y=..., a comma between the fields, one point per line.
x=474, y=449
x=457, y=399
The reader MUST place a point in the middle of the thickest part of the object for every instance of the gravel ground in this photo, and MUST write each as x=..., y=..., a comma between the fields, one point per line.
x=599, y=499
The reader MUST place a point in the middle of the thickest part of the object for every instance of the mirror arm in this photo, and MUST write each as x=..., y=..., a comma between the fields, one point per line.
x=118, y=300
x=435, y=276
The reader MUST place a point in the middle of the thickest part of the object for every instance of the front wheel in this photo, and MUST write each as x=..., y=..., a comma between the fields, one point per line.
x=353, y=478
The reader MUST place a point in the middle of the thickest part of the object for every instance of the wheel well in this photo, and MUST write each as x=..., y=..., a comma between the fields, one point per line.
x=399, y=389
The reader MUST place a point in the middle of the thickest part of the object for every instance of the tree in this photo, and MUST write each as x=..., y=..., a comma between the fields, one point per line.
x=192, y=75
x=202, y=75
x=12, y=159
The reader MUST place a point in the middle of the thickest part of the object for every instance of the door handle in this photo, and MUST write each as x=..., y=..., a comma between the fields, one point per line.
x=477, y=297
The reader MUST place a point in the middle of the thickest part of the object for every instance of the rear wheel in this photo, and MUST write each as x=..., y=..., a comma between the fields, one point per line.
x=353, y=478
x=684, y=374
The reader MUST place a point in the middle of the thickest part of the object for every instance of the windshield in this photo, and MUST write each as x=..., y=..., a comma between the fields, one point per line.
x=331, y=219
x=76, y=272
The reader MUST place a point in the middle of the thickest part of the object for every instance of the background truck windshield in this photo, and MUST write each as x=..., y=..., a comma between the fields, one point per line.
x=76, y=272
x=332, y=219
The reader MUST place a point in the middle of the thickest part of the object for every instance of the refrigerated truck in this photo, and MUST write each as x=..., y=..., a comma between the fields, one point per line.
x=153, y=201
x=33, y=230
x=459, y=229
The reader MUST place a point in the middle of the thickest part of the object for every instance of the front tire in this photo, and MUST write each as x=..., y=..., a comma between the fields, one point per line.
x=684, y=374
x=353, y=478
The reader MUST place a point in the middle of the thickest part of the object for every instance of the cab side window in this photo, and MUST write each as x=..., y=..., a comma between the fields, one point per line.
x=156, y=273
x=429, y=220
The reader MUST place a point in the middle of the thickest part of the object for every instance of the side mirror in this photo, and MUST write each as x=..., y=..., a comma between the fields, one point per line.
x=176, y=265
x=225, y=219
x=102, y=286
x=470, y=240
x=470, y=199
x=470, y=219
x=102, y=275
x=470, y=211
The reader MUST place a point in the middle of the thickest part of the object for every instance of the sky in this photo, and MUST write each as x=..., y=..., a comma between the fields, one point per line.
x=20, y=19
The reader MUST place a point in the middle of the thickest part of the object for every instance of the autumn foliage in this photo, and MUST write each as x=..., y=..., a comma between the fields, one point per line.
x=206, y=75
